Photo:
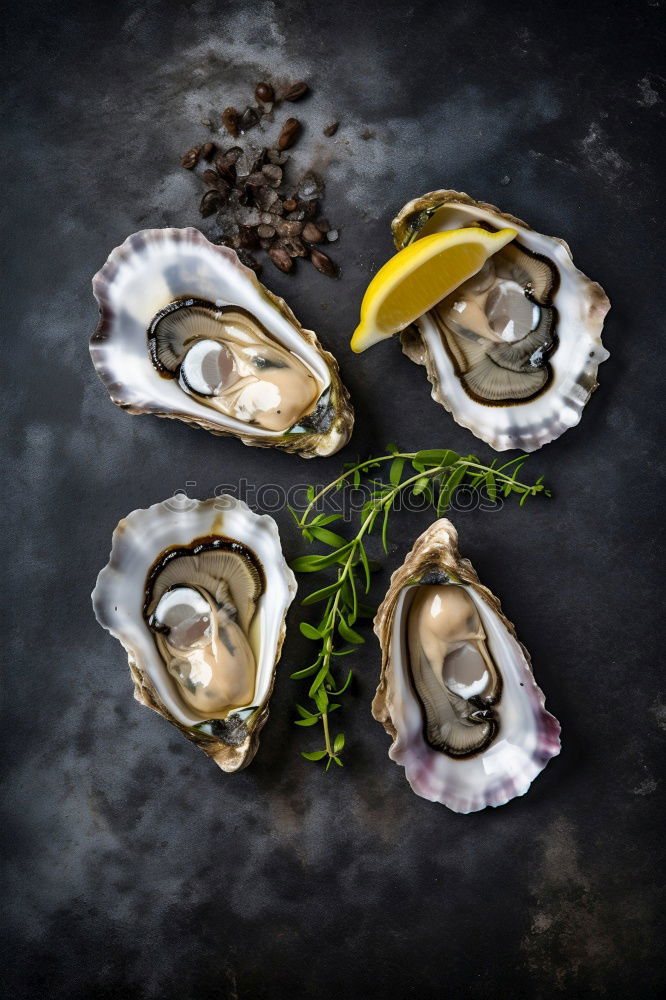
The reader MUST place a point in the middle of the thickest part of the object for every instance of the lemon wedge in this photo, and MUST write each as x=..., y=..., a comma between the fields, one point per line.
x=419, y=277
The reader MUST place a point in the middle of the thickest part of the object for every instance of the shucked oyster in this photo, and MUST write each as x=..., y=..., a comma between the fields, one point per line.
x=456, y=691
x=512, y=353
x=197, y=593
x=187, y=331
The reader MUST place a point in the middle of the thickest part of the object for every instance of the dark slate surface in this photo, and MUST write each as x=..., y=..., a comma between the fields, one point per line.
x=135, y=868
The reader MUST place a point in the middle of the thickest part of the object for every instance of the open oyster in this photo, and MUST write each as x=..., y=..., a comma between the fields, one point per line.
x=513, y=353
x=456, y=692
x=197, y=592
x=187, y=331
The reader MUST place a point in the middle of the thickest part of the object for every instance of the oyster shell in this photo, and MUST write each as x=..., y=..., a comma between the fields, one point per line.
x=197, y=592
x=513, y=353
x=456, y=691
x=187, y=331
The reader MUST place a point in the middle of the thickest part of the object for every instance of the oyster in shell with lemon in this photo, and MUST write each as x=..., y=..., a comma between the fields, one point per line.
x=508, y=329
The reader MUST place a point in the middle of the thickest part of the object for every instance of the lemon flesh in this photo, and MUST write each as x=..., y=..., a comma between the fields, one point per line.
x=420, y=276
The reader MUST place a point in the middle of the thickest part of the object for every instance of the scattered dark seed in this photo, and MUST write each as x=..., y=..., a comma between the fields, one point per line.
x=191, y=158
x=290, y=205
x=323, y=225
x=211, y=202
x=289, y=133
x=267, y=199
x=232, y=155
x=331, y=129
x=275, y=156
x=264, y=92
x=286, y=228
x=367, y=134
x=281, y=259
x=247, y=237
x=227, y=171
x=249, y=119
x=230, y=120
x=210, y=177
x=273, y=174
x=255, y=180
x=208, y=151
x=258, y=161
x=296, y=91
x=312, y=234
x=294, y=246
x=322, y=262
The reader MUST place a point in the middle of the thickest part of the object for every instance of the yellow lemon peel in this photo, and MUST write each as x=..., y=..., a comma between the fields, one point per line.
x=420, y=276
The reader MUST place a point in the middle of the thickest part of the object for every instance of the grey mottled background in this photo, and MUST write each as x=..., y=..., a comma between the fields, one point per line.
x=135, y=868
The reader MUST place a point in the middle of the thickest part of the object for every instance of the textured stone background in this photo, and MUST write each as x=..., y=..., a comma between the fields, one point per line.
x=135, y=868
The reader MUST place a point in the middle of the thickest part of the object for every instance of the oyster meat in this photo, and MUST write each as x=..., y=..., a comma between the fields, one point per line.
x=456, y=692
x=513, y=352
x=197, y=592
x=187, y=331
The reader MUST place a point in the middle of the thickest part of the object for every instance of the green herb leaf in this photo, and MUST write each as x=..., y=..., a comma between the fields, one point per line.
x=315, y=687
x=328, y=537
x=320, y=595
x=305, y=564
x=323, y=519
x=366, y=565
x=314, y=754
x=338, y=743
x=395, y=473
x=310, y=632
x=348, y=634
x=336, y=694
x=435, y=457
x=321, y=700
x=447, y=491
x=298, y=675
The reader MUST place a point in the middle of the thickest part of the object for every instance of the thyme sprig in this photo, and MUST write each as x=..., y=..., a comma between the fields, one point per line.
x=435, y=475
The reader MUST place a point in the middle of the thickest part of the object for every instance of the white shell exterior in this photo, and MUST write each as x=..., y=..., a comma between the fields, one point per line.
x=581, y=305
x=118, y=600
x=528, y=735
x=156, y=266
